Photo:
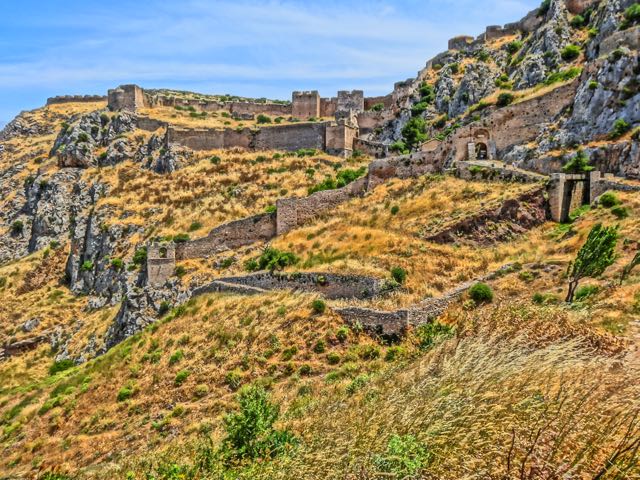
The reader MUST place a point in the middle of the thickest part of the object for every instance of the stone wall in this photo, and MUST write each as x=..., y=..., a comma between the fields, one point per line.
x=566, y=193
x=373, y=149
x=370, y=120
x=161, y=262
x=252, y=108
x=149, y=124
x=328, y=107
x=350, y=100
x=293, y=212
x=489, y=171
x=461, y=42
x=329, y=285
x=231, y=235
x=291, y=137
x=76, y=99
x=403, y=166
x=339, y=140
x=126, y=97
x=305, y=104
x=386, y=100
x=494, y=32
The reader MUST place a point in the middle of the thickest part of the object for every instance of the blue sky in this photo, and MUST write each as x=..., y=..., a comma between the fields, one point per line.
x=242, y=47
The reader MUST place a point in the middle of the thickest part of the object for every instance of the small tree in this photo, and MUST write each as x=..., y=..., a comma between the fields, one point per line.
x=595, y=256
x=578, y=164
x=414, y=132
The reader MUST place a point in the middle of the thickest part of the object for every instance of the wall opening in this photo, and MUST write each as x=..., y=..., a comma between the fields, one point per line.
x=482, y=152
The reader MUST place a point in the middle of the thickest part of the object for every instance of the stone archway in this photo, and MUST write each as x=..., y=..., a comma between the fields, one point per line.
x=482, y=151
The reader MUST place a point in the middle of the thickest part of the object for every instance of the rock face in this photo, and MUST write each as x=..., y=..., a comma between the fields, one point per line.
x=478, y=82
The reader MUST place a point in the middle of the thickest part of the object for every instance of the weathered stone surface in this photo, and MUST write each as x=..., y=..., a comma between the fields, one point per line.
x=478, y=82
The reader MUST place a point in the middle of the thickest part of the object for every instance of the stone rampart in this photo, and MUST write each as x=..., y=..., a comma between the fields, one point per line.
x=373, y=149
x=230, y=235
x=293, y=212
x=369, y=120
x=76, y=99
x=161, y=262
x=291, y=137
x=329, y=285
x=149, y=124
x=386, y=101
x=126, y=97
x=305, y=105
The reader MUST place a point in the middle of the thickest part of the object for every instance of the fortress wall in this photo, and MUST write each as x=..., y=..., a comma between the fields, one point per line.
x=293, y=212
x=149, y=124
x=305, y=104
x=249, y=108
x=350, y=100
x=76, y=99
x=291, y=137
x=512, y=125
x=238, y=138
x=386, y=100
x=373, y=149
x=196, y=139
x=339, y=139
x=404, y=166
x=328, y=107
x=331, y=286
x=231, y=235
x=368, y=121
x=494, y=32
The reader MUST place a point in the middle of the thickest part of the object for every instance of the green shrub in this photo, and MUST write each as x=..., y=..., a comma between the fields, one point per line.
x=369, y=352
x=593, y=85
x=620, y=127
x=399, y=147
x=393, y=353
x=378, y=107
x=83, y=137
x=17, y=227
x=414, y=132
x=333, y=358
x=263, y=119
x=289, y=353
x=578, y=21
x=609, y=199
x=60, y=366
x=481, y=293
x=318, y=306
x=201, y=390
x=215, y=160
x=164, y=308
x=117, y=264
x=272, y=259
x=250, y=431
x=181, y=238
x=620, y=212
x=320, y=346
x=140, y=256
x=513, y=47
x=181, y=376
x=271, y=209
x=342, y=334
x=483, y=55
x=419, y=108
x=585, y=291
x=180, y=271
x=563, y=75
x=357, y=383
x=399, y=274
x=176, y=357
x=305, y=369
x=578, y=164
x=545, y=299
x=570, y=53
x=544, y=8
x=124, y=393
x=195, y=226
x=87, y=266
x=631, y=16
x=405, y=457
x=429, y=333
x=505, y=99
x=395, y=210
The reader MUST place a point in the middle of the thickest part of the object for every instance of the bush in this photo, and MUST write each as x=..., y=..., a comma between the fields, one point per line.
x=117, y=264
x=369, y=352
x=17, y=227
x=263, y=119
x=272, y=259
x=513, y=47
x=399, y=274
x=578, y=21
x=87, y=266
x=544, y=299
x=405, y=457
x=395, y=209
x=578, y=164
x=378, y=107
x=505, y=99
x=333, y=358
x=393, y=353
x=357, y=383
x=570, y=53
x=342, y=334
x=620, y=212
x=620, y=127
x=399, y=147
x=414, y=132
x=164, y=308
x=180, y=271
x=181, y=376
x=176, y=357
x=544, y=7
x=481, y=293
x=429, y=333
x=631, y=16
x=181, y=238
x=609, y=199
x=233, y=379
x=250, y=431
x=195, y=226
x=593, y=85
x=585, y=291
x=201, y=390
x=60, y=366
x=419, y=108
x=124, y=393
x=563, y=75
x=318, y=306
x=215, y=160
x=140, y=256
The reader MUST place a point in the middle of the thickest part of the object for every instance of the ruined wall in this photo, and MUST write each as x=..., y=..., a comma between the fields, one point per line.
x=461, y=42
x=494, y=32
x=566, y=193
x=373, y=149
x=291, y=137
x=512, y=125
x=331, y=286
x=339, y=139
x=328, y=107
x=126, y=97
x=293, y=212
x=506, y=173
x=250, y=108
x=149, y=124
x=210, y=138
x=386, y=100
x=370, y=120
x=350, y=100
x=76, y=99
x=403, y=166
x=230, y=235
x=161, y=262
x=305, y=104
